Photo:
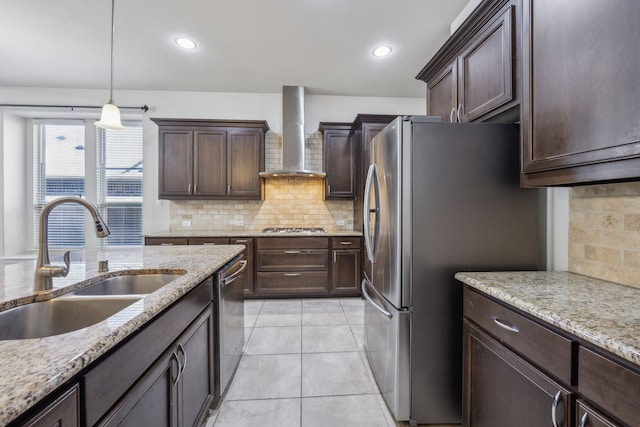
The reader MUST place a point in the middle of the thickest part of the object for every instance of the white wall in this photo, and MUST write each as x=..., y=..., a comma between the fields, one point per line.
x=13, y=157
x=241, y=106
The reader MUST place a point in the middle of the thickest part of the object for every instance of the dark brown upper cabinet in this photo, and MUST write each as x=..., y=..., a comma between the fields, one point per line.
x=474, y=76
x=210, y=159
x=339, y=161
x=580, y=110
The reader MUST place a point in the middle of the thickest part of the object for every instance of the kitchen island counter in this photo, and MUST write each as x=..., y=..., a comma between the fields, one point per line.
x=34, y=368
x=602, y=313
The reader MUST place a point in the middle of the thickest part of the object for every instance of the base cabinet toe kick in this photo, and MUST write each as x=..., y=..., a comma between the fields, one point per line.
x=519, y=370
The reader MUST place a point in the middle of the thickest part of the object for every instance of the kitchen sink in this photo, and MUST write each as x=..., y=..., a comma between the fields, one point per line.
x=130, y=284
x=59, y=316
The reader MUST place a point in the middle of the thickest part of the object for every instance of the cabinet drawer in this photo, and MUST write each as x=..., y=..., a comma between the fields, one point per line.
x=292, y=259
x=547, y=349
x=63, y=412
x=208, y=241
x=292, y=242
x=345, y=242
x=165, y=241
x=615, y=388
x=295, y=283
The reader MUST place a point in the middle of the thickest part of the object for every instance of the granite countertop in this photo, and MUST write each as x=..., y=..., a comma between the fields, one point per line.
x=248, y=233
x=33, y=368
x=602, y=313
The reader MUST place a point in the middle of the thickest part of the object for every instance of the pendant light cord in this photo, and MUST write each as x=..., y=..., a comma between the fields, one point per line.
x=113, y=29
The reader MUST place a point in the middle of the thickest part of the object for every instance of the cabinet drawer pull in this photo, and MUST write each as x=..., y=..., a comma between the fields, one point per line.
x=291, y=252
x=175, y=356
x=584, y=420
x=209, y=244
x=242, y=241
x=554, y=409
x=166, y=244
x=292, y=274
x=504, y=325
x=346, y=243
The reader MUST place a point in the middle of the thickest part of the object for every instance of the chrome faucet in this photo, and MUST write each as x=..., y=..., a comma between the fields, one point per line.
x=44, y=270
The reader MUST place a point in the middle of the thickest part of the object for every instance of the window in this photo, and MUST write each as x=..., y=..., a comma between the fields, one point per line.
x=61, y=168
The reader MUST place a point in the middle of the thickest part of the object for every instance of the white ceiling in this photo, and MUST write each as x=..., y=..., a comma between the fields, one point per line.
x=243, y=45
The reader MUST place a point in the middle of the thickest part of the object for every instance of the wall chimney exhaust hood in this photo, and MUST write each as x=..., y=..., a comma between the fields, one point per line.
x=292, y=137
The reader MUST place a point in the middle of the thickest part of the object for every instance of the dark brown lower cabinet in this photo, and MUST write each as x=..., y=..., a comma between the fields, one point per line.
x=178, y=388
x=345, y=266
x=62, y=412
x=502, y=390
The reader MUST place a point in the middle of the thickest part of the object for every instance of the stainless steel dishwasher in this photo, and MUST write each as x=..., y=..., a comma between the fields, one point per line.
x=230, y=320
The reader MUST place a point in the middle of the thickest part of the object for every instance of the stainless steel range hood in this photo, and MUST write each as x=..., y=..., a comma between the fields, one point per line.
x=292, y=137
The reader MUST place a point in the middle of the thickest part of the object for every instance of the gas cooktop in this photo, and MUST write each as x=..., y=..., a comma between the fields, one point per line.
x=293, y=230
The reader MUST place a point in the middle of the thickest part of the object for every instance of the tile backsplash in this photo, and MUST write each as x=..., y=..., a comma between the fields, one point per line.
x=604, y=232
x=288, y=202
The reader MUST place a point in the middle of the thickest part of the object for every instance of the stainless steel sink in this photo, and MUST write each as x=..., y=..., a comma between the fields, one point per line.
x=59, y=316
x=128, y=284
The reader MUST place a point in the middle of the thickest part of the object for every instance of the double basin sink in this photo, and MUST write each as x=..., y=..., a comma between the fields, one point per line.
x=81, y=308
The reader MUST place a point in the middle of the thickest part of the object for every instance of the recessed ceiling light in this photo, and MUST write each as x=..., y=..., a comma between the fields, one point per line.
x=186, y=43
x=381, y=51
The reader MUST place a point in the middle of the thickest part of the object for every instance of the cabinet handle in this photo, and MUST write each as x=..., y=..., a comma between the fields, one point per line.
x=554, y=409
x=504, y=325
x=195, y=188
x=346, y=243
x=584, y=420
x=184, y=356
x=175, y=356
x=452, y=117
x=229, y=189
x=292, y=274
x=189, y=189
x=335, y=256
x=460, y=113
x=209, y=244
x=166, y=244
x=291, y=252
x=241, y=241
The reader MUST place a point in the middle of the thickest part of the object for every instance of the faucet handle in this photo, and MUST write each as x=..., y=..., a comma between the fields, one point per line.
x=59, y=271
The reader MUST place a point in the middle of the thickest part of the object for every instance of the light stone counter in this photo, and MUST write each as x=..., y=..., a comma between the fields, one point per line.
x=249, y=233
x=602, y=313
x=33, y=368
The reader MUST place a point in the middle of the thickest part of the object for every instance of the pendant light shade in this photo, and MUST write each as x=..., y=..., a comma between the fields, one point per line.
x=110, y=117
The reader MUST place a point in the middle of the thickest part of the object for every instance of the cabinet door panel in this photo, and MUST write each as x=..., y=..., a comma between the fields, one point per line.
x=345, y=272
x=152, y=401
x=175, y=162
x=197, y=379
x=502, y=390
x=210, y=166
x=580, y=91
x=339, y=164
x=485, y=70
x=442, y=94
x=245, y=161
x=63, y=412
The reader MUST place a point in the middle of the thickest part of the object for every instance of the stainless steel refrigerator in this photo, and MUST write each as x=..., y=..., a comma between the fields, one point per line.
x=439, y=198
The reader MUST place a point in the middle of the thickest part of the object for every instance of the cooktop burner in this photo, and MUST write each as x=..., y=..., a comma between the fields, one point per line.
x=293, y=230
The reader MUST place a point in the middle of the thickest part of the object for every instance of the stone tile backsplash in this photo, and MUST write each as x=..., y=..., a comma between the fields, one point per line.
x=288, y=202
x=604, y=232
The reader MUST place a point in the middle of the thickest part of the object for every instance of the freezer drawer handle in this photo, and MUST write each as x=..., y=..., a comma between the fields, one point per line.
x=372, y=302
x=235, y=275
x=504, y=325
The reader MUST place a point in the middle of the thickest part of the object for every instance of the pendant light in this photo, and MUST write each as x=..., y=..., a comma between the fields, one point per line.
x=110, y=118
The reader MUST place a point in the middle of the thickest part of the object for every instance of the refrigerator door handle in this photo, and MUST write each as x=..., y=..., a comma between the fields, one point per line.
x=371, y=241
x=365, y=285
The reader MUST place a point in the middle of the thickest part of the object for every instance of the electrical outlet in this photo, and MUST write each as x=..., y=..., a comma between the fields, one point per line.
x=340, y=222
x=186, y=223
